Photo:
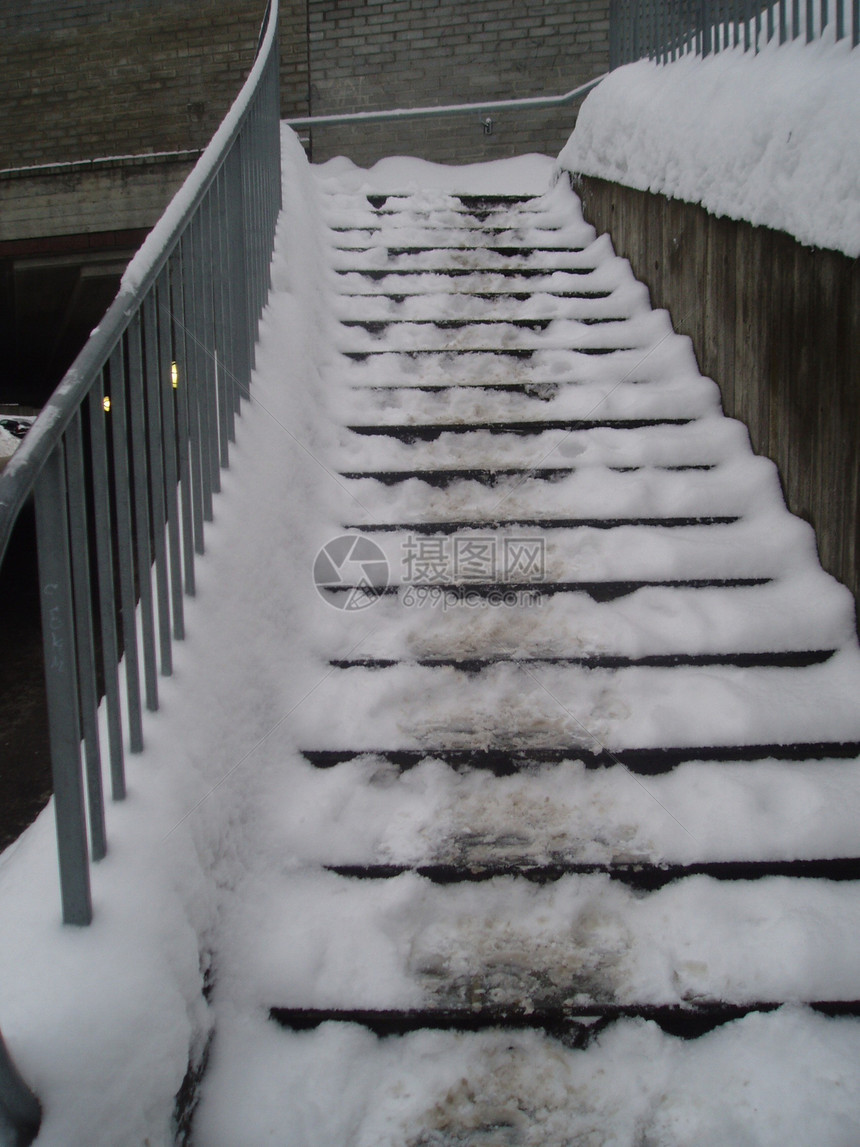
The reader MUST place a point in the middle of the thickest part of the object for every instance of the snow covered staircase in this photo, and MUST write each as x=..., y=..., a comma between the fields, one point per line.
x=586, y=754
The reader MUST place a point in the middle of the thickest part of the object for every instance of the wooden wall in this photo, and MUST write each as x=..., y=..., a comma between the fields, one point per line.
x=777, y=326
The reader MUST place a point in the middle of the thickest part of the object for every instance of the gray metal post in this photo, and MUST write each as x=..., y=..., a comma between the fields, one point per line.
x=58, y=639
x=168, y=399
x=156, y=440
x=83, y=589
x=125, y=557
x=102, y=523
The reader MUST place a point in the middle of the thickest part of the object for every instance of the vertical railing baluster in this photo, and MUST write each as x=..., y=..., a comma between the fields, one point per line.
x=58, y=638
x=168, y=387
x=124, y=544
x=155, y=439
x=209, y=345
x=203, y=374
x=199, y=390
x=139, y=492
x=108, y=611
x=82, y=597
x=238, y=273
x=192, y=506
x=223, y=350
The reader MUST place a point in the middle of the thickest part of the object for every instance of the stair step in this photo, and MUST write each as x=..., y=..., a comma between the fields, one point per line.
x=444, y=478
x=377, y=273
x=469, y=229
x=643, y=762
x=429, y=431
x=792, y=658
x=485, y=200
x=470, y=202
x=453, y=527
x=540, y=391
x=487, y=296
x=599, y=591
x=502, y=352
x=575, y=1025
x=523, y=353
x=506, y=251
x=378, y=326
x=641, y=876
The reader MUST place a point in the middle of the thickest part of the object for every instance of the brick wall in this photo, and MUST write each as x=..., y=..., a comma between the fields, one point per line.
x=372, y=54
x=85, y=79
x=90, y=78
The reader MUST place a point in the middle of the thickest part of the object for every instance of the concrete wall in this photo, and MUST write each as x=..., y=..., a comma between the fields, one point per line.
x=777, y=326
x=77, y=199
x=374, y=54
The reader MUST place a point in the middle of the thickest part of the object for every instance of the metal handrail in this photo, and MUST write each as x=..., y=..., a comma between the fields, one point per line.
x=393, y=114
x=123, y=463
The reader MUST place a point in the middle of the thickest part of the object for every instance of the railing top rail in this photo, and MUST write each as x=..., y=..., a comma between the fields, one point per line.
x=19, y=476
x=73, y=166
x=393, y=114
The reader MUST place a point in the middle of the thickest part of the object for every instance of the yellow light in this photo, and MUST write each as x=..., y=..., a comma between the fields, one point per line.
x=106, y=403
x=174, y=375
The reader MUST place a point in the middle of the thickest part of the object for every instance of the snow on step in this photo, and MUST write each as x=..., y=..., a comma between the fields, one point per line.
x=702, y=441
x=367, y=812
x=749, y=1082
x=740, y=486
x=649, y=621
x=512, y=706
x=621, y=302
x=407, y=943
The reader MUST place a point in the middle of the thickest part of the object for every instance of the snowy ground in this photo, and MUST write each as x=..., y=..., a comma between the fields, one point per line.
x=772, y=138
x=100, y=1021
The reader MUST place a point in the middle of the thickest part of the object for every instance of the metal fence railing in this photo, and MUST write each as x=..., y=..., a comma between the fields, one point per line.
x=664, y=30
x=123, y=463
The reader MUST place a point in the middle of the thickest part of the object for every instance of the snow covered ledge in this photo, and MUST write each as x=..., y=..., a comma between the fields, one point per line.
x=772, y=139
x=732, y=185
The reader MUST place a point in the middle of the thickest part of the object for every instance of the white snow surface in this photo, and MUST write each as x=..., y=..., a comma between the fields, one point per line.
x=215, y=854
x=772, y=138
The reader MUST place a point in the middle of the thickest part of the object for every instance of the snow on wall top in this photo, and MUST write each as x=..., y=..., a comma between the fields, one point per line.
x=772, y=138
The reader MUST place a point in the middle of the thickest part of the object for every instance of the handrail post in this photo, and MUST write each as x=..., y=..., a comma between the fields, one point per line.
x=19, y=1107
x=58, y=639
